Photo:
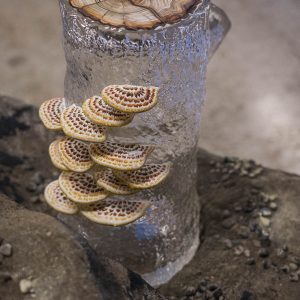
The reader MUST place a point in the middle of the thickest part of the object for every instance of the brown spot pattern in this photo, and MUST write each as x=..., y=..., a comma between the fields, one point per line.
x=120, y=156
x=101, y=113
x=130, y=98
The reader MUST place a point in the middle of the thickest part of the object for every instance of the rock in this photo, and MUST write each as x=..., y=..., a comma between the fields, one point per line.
x=6, y=249
x=228, y=223
x=58, y=259
x=228, y=243
x=285, y=269
x=25, y=286
x=250, y=261
x=294, y=277
x=238, y=250
x=266, y=212
x=247, y=296
x=263, y=252
x=273, y=205
x=244, y=232
x=4, y=276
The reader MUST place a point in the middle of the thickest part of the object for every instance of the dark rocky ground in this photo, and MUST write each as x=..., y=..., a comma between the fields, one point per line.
x=250, y=230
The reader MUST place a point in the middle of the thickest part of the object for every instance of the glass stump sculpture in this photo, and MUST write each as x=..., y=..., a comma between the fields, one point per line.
x=146, y=43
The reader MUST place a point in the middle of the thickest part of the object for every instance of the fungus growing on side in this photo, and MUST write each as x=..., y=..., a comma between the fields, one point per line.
x=56, y=198
x=146, y=177
x=81, y=187
x=107, y=180
x=55, y=156
x=96, y=109
x=134, y=14
x=76, y=125
x=130, y=98
x=115, y=212
x=50, y=112
x=75, y=155
x=120, y=168
x=120, y=156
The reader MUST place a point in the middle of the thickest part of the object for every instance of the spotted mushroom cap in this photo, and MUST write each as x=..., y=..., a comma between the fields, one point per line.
x=146, y=177
x=75, y=155
x=55, y=156
x=76, y=125
x=56, y=198
x=120, y=156
x=106, y=179
x=130, y=98
x=115, y=212
x=50, y=112
x=96, y=109
x=81, y=187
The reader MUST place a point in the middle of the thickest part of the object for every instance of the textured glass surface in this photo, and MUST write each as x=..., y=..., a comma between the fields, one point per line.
x=173, y=57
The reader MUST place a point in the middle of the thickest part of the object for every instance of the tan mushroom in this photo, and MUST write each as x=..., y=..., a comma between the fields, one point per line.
x=56, y=198
x=75, y=155
x=130, y=98
x=115, y=212
x=55, y=156
x=134, y=14
x=76, y=125
x=50, y=112
x=146, y=177
x=100, y=113
x=81, y=187
x=120, y=156
x=106, y=179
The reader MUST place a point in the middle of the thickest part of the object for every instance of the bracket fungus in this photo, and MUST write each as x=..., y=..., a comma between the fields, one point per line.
x=75, y=155
x=146, y=177
x=56, y=198
x=96, y=109
x=81, y=187
x=120, y=156
x=130, y=98
x=75, y=124
x=134, y=14
x=94, y=169
x=114, y=212
x=50, y=112
x=55, y=156
x=107, y=180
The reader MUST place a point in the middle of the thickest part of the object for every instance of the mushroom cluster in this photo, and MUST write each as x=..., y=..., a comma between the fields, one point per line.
x=95, y=171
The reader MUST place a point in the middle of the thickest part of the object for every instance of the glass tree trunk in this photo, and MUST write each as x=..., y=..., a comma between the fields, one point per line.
x=174, y=58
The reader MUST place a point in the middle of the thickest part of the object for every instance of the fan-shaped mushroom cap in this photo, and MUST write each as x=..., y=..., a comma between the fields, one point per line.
x=134, y=14
x=120, y=156
x=146, y=177
x=115, y=212
x=50, y=112
x=107, y=180
x=76, y=125
x=56, y=198
x=130, y=98
x=75, y=155
x=81, y=187
x=56, y=157
x=96, y=109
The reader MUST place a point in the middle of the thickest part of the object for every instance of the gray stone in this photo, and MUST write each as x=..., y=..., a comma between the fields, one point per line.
x=59, y=259
x=6, y=249
x=26, y=286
